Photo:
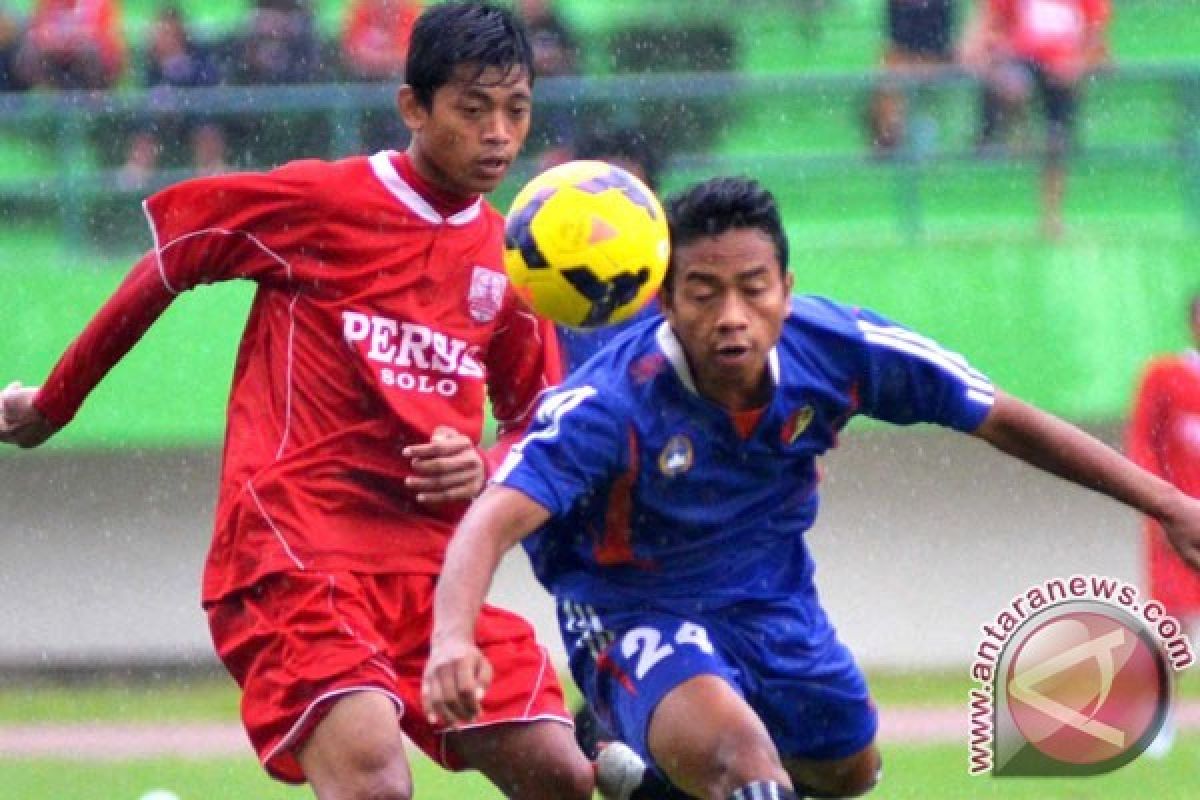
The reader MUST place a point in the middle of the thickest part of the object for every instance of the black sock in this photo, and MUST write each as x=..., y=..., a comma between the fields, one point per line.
x=764, y=790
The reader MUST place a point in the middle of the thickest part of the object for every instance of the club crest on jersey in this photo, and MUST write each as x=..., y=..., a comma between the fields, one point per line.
x=486, y=294
x=796, y=425
x=677, y=456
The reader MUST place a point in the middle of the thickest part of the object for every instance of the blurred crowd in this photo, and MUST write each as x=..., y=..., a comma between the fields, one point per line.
x=1017, y=49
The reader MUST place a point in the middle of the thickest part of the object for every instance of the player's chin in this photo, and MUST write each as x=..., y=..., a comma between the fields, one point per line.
x=487, y=175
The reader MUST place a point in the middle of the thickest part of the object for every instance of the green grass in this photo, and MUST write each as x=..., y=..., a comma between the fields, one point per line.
x=924, y=772
x=929, y=772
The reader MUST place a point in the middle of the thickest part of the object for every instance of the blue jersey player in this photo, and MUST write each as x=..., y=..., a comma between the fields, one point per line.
x=668, y=485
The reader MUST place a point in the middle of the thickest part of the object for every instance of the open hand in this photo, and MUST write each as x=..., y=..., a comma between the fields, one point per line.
x=448, y=468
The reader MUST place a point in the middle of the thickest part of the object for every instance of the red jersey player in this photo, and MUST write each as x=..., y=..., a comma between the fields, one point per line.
x=1052, y=45
x=1164, y=437
x=382, y=316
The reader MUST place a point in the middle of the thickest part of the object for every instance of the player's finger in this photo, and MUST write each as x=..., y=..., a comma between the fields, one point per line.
x=470, y=693
x=443, y=694
x=444, y=480
x=439, y=449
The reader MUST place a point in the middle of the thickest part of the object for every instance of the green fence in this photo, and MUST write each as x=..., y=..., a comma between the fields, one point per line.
x=60, y=154
x=937, y=238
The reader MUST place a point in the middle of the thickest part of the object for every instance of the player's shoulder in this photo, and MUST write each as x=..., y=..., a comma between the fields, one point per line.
x=627, y=365
x=813, y=315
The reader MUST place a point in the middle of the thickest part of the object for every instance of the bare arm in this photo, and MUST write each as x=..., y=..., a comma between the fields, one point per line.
x=1062, y=449
x=457, y=673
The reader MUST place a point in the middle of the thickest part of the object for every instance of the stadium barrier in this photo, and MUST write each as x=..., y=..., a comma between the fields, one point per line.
x=761, y=124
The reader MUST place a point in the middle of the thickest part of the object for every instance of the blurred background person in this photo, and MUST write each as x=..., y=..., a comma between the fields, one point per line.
x=1017, y=46
x=555, y=55
x=919, y=42
x=175, y=60
x=374, y=45
x=278, y=46
x=10, y=40
x=375, y=38
x=1163, y=436
x=72, y=44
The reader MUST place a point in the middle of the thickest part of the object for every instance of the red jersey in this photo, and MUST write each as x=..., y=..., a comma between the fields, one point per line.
x=1164, y=438
x=376, y=319
x=1050, y=32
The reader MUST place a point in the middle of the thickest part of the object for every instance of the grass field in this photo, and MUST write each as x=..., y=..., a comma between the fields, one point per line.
x=932, y=771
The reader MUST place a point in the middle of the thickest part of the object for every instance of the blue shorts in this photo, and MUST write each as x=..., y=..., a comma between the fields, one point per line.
x=811, y=695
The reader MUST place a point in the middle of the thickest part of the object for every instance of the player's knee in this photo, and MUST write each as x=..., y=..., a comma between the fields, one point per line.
x=366, y=770
x=852, y=777
x=743, y=757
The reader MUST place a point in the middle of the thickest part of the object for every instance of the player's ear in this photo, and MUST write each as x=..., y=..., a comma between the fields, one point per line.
x=411, y=110
x=789, y=282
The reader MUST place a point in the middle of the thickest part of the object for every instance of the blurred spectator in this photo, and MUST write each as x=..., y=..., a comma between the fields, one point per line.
x=279, y=45
x=10, y=40
x=174, y=60
x=375, y=38
x=72, y=44
x=374, y=47
x=919, y=42
x=555, y=55
x=1051, y=45
x=1164, y=437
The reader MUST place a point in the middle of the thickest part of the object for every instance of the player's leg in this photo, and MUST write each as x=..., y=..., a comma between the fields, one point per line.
x=536, y=760
x=710, y=743
x=357, y=751
x=522, y=741
x=1059, y=103
x=320, y=701
x=851, y=776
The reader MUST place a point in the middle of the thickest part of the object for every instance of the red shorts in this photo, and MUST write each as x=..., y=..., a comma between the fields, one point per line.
x=295, y=641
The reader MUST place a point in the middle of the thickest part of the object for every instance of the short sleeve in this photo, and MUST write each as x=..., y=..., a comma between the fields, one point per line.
x=576, y=445
x=910, y=378
x=248, y=225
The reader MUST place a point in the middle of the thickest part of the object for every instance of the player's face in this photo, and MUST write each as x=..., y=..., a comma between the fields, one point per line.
x=727, y=305
x=466, y=140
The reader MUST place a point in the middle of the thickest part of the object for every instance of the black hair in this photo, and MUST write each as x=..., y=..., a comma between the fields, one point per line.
x=718, y=205
x=449, y=35
x=629, y=144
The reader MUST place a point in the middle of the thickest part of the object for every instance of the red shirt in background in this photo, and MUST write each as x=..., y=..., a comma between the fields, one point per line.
x=63, y=28
x=1164, y=437
x=1051, y=33
x=375, y=39
x=377, y=318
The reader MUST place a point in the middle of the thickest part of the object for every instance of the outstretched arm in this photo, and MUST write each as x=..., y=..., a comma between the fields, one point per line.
x=30, y=416
x=457, y=673
x=1062, y=449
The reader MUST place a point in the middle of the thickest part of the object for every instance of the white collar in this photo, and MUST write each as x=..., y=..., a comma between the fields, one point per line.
x=385, y=171
x=672, y=348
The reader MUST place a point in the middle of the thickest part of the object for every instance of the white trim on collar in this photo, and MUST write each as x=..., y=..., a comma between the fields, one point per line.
x=669, y=343
x=385, y=171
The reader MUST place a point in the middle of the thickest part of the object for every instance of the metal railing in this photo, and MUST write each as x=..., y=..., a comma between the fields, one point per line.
x=69, y=125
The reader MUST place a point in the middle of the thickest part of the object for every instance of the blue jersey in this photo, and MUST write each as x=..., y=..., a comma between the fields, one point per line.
x=659, y=503
x=580, y=344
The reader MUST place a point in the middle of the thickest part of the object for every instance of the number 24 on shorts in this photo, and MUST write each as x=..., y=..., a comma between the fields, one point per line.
x=650, y=649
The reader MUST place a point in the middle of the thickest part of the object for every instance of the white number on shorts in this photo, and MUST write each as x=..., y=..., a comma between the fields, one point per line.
x=691, y=633
x=649, y=642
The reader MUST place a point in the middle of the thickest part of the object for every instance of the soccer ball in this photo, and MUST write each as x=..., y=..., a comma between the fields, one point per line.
x=586, y=244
